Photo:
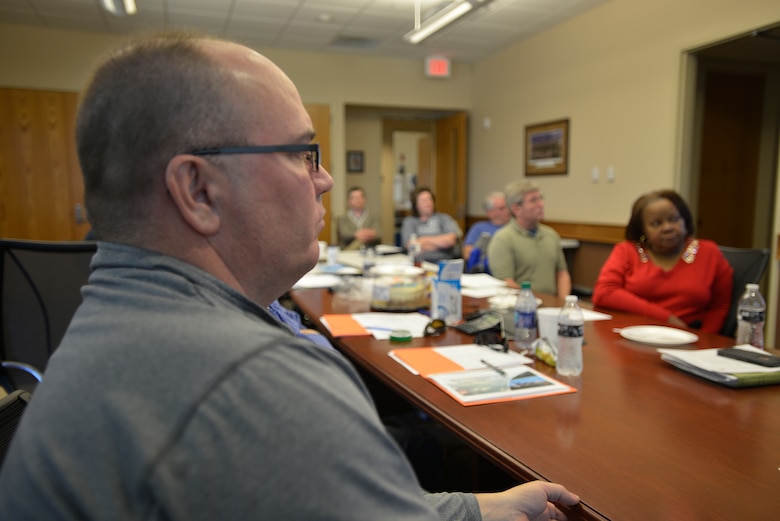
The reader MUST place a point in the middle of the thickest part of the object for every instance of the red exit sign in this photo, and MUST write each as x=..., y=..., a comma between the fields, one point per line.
x=437, y=67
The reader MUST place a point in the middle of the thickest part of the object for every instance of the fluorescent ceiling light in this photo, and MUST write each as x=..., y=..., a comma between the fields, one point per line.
x=438, y=21
x=119, y=7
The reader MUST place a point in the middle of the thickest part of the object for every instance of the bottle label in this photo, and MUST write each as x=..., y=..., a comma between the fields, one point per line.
x=751, y=316
x=571, y=331
x=525, y=320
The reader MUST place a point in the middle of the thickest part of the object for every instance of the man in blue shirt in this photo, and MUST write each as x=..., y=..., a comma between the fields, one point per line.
x=498, y=215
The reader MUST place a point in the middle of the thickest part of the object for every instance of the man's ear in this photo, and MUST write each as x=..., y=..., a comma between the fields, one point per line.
x=192, y=185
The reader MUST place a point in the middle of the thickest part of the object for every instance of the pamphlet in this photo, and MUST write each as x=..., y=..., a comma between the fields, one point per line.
x=489, y=386
x=706, y=363
x=475, y=374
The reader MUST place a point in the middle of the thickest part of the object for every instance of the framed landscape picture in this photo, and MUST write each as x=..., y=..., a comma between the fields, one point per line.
x=547, y=148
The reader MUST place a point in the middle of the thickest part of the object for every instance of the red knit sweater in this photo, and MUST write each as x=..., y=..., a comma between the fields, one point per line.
x=695, y=291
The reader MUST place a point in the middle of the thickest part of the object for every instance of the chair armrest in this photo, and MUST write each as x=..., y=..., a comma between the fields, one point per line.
x=24, y=367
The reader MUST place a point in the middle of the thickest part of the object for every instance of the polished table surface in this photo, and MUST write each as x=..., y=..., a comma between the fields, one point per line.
x=639, y=440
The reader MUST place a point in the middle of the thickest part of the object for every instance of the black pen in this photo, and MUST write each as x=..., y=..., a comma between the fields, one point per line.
x=494, y=367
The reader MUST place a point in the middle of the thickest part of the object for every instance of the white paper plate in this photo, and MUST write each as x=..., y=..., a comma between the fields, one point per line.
x=658, y=335
x=339, y=269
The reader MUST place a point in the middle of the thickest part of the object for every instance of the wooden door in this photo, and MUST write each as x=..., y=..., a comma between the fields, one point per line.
x=731, y=136
x=41, y=190
x=320, y=118
x=450, y=179
x=424, y=161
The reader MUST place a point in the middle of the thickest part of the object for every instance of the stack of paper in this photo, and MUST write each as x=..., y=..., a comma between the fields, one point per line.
x=733, y=373
x=378, y=324
x=482, y=285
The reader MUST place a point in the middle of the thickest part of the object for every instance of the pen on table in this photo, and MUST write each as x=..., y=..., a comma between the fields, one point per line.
x=493, y=367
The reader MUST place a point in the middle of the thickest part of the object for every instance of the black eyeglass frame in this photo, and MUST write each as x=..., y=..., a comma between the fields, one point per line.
x=435, y=327
x=314, y=148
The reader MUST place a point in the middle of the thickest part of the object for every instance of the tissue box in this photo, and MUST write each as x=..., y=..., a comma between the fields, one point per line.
x=446, y=302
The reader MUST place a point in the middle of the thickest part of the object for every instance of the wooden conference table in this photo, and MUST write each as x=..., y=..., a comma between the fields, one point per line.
x=639, y=440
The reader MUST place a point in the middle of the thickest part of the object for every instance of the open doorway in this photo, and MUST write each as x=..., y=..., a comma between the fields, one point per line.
x=736, y=142
x=730, y=172
x=429, y=145
x=412, y=167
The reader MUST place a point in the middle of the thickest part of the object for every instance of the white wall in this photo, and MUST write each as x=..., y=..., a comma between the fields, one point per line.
x=616, y=73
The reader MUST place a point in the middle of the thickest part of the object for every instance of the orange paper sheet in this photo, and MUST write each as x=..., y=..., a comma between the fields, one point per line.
x=344, y=325
x=426, y=361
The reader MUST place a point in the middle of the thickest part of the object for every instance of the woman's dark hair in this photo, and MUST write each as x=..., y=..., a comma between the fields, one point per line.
x=416, y=194
x=634, y=229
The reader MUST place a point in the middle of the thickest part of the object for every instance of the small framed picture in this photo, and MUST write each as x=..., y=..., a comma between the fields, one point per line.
x=354, y=161
x=547, y=148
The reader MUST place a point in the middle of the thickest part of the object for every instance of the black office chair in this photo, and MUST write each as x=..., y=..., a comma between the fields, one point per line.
x=40, y=283
x=748, y=265
x=10, y=372
x=11, y=408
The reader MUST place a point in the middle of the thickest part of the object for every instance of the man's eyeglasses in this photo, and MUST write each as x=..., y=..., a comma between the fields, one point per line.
x=310, y=152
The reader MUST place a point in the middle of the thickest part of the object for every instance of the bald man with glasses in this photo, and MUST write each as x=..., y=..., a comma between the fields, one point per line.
x=175, y=394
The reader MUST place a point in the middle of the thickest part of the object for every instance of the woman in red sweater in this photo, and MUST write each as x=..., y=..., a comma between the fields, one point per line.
x=662, y=271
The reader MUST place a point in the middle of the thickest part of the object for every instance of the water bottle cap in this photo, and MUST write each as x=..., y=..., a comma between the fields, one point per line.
x=751, y=286
x=571, y=298
x=525, y=285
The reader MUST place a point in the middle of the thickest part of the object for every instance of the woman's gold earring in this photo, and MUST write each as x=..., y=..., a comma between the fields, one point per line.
x=642, y=239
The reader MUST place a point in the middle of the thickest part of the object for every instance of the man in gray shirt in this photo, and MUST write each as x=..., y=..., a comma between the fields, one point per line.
x=175, y=394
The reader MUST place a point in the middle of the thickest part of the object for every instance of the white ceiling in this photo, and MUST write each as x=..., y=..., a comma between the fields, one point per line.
x=373, y=27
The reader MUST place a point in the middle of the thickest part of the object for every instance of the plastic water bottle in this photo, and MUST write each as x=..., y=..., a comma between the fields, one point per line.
x=571, y=327
x=751, y=315
x=525, y=319
x=415, y=251
x=369, y=258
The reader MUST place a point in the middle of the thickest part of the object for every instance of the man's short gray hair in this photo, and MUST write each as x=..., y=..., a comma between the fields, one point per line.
x=488, y=202
x=516, y=190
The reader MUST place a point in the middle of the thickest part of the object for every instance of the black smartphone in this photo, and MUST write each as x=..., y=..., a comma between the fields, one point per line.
x=764, y=359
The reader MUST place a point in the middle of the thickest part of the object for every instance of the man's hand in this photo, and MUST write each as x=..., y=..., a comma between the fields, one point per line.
x=528, y=502
x=365, y=235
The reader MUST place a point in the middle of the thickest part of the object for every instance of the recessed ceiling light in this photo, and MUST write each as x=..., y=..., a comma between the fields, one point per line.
x=119, y=7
